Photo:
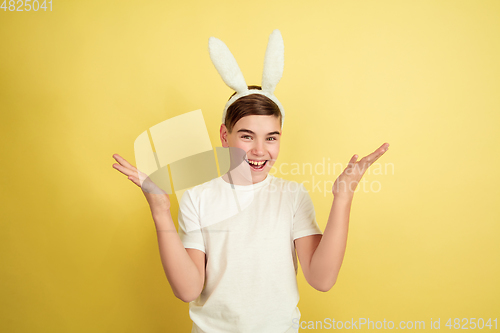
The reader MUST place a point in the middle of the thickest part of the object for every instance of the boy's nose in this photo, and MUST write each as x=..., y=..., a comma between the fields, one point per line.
x=258, y=149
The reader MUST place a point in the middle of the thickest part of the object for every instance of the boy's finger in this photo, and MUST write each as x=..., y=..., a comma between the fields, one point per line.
x=351, y=164
x=352, y=160
x=380, y=150
x=123, y=162
x=377, y=153
x=124, y=170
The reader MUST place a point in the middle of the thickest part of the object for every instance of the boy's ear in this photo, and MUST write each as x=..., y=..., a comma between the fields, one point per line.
x=223, y=135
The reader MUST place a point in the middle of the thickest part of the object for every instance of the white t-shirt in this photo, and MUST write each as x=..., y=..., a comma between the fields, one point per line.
x=247, y=234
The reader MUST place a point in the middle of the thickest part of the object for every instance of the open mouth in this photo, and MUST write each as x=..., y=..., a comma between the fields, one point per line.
x=257, y=165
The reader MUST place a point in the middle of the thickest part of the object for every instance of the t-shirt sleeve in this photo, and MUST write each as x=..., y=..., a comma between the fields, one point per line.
x=304, y=219
x=189, y=224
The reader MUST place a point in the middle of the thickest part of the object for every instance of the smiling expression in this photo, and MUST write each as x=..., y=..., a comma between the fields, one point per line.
x=258, y=137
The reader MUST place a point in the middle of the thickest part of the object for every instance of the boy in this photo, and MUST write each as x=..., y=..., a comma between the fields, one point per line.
x=245, y=222
x=233, y=258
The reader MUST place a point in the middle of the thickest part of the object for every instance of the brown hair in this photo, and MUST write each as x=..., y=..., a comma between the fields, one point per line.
x=253, y=104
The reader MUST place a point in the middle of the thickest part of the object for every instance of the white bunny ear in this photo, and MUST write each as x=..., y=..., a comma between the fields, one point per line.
x=273, y=62
x=226, y=65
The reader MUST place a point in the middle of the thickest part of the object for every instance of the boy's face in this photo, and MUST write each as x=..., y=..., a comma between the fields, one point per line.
x=258, y=140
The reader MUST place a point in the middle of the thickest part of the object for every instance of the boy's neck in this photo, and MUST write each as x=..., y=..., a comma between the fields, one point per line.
x=236, y=177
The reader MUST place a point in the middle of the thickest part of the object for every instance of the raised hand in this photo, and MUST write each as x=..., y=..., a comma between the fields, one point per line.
x=346, y=183
x=156, y=197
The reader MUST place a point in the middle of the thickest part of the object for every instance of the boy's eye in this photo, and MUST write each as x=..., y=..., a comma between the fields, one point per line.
x=249, y=137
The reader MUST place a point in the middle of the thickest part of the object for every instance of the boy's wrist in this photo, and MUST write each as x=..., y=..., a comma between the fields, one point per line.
x=163, y=221
x=160, y=203
x=345, y=198
x=159, y=211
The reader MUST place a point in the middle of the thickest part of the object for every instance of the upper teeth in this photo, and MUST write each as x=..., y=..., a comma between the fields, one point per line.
x=256, y=163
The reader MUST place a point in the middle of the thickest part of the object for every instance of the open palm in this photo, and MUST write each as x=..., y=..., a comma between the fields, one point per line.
x=154, y=194
x=346, y=183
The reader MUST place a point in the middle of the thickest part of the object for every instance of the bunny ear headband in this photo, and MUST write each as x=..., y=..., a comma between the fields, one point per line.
x=230, y=72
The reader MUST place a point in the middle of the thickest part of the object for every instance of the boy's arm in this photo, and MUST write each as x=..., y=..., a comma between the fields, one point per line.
x=321, y=256
x=185, y=270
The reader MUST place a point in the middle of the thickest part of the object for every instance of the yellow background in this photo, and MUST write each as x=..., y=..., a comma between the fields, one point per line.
x=78, y=84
